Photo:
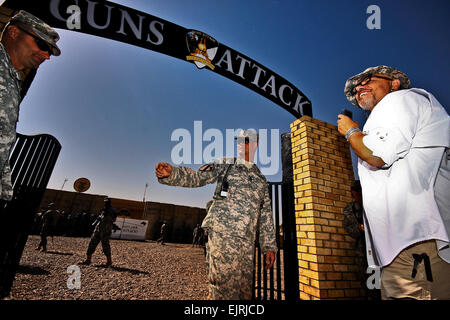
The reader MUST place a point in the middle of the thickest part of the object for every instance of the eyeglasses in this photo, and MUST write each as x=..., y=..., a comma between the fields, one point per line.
x=366, y=81
x=42, y=45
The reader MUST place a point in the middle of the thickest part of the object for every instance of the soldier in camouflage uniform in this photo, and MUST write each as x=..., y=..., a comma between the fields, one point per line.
x=196, y=235
x=26, y=42
x=163, y=234
x=102, y=233
x=47, y=223
x=241, y=207
x=354, y=224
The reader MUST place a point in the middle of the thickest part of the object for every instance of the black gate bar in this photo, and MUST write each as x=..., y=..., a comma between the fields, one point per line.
x=280, y=282
x=32, y=161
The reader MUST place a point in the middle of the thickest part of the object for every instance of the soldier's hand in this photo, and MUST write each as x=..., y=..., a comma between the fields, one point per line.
x=270, y=259
x=163, y=170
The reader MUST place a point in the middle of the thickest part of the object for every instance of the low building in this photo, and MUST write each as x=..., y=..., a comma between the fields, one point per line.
x=180, y=219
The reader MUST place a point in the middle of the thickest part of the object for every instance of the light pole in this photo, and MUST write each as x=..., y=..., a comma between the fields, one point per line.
x=65, y=180
x=145, y=191
x=56, y=193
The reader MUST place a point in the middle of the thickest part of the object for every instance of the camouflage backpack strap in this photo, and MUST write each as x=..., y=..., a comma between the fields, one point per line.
x=206, y=167
x=227, y=170
x=208, y=205
x=221, y=191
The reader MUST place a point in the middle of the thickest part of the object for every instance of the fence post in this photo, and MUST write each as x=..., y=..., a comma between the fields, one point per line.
x=323, y=174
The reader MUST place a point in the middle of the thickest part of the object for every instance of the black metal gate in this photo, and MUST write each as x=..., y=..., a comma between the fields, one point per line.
x=281, y=281
x=32, y=161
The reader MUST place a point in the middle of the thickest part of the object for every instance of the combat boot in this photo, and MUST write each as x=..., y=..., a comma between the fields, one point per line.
x=108, y=261
x=87, y=261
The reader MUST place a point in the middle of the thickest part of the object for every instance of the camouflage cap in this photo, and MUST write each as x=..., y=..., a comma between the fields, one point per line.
x=351, y=83
x=38, y=27
x=251, y=134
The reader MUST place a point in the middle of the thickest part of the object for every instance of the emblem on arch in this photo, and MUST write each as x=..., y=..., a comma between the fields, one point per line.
x=202, y=49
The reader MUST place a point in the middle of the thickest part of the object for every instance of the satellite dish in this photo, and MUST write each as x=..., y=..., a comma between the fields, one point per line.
x=81, y=184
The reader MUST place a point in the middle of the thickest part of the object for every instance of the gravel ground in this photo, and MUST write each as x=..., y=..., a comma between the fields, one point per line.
x=140, y=271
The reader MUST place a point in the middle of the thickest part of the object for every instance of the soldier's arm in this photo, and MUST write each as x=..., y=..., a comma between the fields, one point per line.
x=187, y=177
x=267, y=239
x=7, y=125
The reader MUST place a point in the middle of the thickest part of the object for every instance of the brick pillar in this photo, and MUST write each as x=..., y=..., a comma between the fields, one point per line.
x=323, y=175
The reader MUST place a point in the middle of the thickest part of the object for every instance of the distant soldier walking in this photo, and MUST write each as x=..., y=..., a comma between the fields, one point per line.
x=47, y=224
x=196, y=235
x=163, y=235
x=241, y=208
x=102, y=232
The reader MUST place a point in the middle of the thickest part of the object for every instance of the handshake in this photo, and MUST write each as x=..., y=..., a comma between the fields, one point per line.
x=163, y=170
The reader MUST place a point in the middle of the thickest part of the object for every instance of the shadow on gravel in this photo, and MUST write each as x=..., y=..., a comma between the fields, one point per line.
x=60, y=253
x=32, y=270
x=120, y=269
x=171, y=245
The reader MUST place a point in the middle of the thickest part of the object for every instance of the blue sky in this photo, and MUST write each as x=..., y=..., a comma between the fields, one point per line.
x=114, y=106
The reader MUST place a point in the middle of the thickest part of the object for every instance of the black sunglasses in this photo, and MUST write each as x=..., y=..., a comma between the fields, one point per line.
x=42, y=45
x=368, y=79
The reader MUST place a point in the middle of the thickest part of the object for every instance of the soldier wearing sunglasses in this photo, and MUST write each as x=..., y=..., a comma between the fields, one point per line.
x=240, y=213
x=404, y=170
x=26, y=42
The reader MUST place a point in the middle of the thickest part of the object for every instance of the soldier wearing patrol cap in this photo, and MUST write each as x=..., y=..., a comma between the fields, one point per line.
x=26, y=42
x=240, y=209
x=403, y=166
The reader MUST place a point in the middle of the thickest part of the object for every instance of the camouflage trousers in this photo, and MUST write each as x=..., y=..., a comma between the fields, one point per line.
x=96, y=238
x=230, y=267
x=43, y=242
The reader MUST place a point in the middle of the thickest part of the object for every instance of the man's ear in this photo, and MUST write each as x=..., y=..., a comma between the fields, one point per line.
x=395, y=84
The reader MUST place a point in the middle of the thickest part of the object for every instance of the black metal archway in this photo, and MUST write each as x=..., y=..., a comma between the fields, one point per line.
x=114, y=21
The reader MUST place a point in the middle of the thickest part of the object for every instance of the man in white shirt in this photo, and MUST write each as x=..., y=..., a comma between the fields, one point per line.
x=404, y=169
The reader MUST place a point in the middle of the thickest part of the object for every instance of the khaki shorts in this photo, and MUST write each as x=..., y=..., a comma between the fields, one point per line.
x=397, y=281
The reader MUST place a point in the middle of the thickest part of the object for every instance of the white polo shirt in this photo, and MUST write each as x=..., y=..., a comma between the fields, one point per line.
x=409, y=130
